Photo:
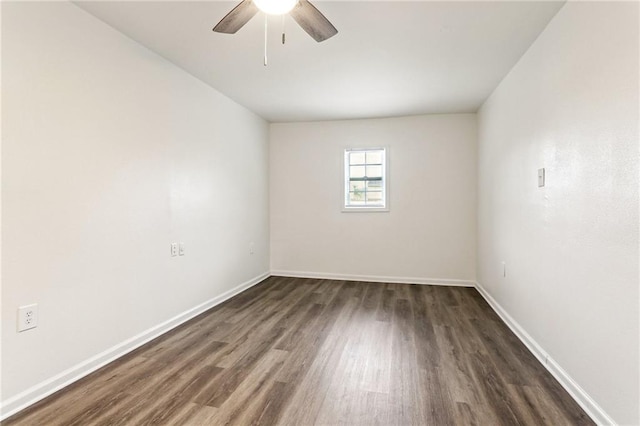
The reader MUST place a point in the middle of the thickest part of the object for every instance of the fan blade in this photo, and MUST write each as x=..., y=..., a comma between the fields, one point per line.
x=312, y=21
x=240, y=15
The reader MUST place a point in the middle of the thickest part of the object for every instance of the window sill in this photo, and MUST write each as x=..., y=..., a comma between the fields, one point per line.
x=365, y=209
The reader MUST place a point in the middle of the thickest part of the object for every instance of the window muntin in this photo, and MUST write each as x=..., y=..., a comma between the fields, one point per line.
x=365, y=179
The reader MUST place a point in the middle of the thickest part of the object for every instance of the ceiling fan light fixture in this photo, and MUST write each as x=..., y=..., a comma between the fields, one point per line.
x=303, y=12
x=275, y=7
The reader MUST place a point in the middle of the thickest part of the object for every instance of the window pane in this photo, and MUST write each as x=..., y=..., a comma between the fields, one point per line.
x=356, y=171
x=356, y=185
x=374, y=185
x=374, y=171
x=374, y=197
x=374, y=157
x=356, y=197
x=356, y=157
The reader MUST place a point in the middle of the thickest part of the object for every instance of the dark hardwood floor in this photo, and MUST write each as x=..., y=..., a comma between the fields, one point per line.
x=303, y=351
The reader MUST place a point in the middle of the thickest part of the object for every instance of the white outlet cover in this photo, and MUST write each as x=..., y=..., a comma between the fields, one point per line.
x=27, y=317
x=174, y=249
x=181, y=249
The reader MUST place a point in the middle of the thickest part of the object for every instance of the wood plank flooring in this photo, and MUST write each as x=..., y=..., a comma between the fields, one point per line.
x=293, y=351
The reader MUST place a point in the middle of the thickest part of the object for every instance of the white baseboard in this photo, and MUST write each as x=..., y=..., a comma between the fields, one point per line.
x=40, y=391
x=597, y=414
x=374, y=278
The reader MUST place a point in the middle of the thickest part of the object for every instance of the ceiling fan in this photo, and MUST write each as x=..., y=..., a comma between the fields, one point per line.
x=302, y=11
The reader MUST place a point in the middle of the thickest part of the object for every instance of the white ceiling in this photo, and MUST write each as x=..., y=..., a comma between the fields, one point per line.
x=389, y=58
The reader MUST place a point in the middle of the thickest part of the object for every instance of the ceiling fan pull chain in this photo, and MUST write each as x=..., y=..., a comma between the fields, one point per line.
x=265, y=39
x=282, y=29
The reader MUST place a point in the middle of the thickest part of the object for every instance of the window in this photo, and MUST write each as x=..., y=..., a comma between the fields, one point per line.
x=365, y=180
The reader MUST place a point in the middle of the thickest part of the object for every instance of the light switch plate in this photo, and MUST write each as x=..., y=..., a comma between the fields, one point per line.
x=540, y=178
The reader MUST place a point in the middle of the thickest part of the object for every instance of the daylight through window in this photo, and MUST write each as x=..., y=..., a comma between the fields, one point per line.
x=365, y=180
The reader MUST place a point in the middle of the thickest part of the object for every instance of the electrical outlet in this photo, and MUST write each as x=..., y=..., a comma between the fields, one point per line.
x=174, y=249
x=540, y=178
x=181, y=249
x=27, y=317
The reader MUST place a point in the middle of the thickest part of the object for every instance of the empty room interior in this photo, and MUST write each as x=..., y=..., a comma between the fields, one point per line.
x=320, y=213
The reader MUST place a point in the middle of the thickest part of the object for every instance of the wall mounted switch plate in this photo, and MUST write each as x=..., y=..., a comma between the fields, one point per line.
x=540, y=178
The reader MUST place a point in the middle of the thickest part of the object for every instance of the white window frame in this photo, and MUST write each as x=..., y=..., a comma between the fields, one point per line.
x=385, y=182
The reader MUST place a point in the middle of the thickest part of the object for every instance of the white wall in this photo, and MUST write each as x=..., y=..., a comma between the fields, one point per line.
x=429, y=232
x=571, y=248
x=110, y=153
